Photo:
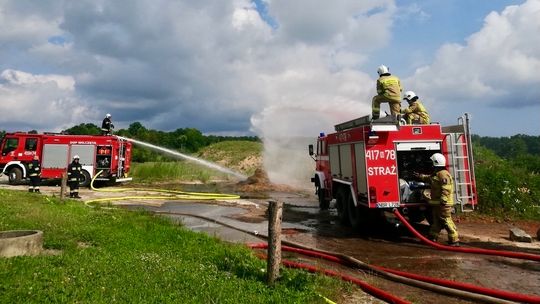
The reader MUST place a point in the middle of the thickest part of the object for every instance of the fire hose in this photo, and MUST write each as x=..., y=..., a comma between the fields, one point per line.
x=470, y=292
x=448, y=283
x=167, y=194
x=476, y=293
x=503, y=253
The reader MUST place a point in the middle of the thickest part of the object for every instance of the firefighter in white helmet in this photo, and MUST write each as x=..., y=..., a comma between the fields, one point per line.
x=106, y=125
x=74, y=175
x=441, y=200
x=416, y=112
x=388, y=90
x=34, y=173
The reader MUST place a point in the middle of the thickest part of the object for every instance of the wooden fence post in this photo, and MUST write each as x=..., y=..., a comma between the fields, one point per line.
x=275, y=211
x=63, y=186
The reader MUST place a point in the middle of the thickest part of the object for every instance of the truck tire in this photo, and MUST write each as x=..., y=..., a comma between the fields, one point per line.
x=324, y=203
x=85, y=179
x=342, y=200
x=15, y=176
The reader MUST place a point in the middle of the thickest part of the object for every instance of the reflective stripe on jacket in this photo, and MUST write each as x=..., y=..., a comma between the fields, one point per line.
x=34, y=168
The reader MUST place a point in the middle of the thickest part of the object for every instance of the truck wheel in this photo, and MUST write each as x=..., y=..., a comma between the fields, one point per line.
x=15, y=176
x=324, y=203
x=85, y=179
x=342, y=200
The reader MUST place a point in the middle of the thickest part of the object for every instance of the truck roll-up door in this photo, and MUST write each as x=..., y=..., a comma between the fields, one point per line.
x=346, y=161
x=360, y=157
x=55, y=156
x=85, y=152
x=333, y=153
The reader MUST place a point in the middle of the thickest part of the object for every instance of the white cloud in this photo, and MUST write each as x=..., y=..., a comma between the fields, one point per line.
x=39, y=101
x=497, y=67
x=213, y=65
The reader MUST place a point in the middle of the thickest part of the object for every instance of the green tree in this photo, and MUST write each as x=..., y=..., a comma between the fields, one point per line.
x=136, y=129
x=84, y=129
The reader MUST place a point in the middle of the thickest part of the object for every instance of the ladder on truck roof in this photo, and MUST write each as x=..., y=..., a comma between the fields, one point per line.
x=461, y=162
x=388, y=123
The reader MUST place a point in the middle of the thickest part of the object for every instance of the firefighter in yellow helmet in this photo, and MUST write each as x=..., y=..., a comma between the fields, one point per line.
x=442, y=200
x=416, y=112
x=388, y=90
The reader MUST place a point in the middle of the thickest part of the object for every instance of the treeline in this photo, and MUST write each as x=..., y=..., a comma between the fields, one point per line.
x=187, y=140
x=510, y=147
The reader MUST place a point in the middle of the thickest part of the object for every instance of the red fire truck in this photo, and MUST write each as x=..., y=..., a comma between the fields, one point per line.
x=108, y=153
x=367, y=167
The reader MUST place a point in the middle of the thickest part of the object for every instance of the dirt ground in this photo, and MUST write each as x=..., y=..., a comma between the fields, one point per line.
x=472, y=228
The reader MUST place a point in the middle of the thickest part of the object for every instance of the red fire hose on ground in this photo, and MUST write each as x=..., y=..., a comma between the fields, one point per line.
x=502, y=294
x=467, y=291
x=502, y=253
x=374, y=291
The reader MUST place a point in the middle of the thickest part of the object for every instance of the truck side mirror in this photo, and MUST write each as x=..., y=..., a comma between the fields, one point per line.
x=310, y=147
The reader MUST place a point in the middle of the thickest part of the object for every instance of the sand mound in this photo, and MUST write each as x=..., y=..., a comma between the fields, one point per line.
x=259, y=182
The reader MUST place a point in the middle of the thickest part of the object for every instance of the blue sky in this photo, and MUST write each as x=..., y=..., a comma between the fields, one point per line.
x=427, y=25
x=266, y=68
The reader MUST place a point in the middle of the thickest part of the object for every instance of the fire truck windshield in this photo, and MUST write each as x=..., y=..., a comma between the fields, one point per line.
x=11, y=144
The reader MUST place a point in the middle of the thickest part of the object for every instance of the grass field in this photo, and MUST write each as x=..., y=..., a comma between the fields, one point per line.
x=173, y=171
x=107, y=256
x=241, y=156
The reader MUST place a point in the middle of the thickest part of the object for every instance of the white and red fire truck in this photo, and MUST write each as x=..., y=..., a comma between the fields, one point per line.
x=96, y=153
x=368, y=166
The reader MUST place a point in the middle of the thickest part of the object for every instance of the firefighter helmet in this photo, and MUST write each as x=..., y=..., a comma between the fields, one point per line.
x=75, y=157
x=108, y=115
x=409, y=95
x=382, y=70
x=438, y=160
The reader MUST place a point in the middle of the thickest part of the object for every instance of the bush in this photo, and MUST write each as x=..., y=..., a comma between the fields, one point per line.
x=505, y=187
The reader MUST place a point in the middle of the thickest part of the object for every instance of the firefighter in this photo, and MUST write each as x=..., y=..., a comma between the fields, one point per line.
x=442, y=200
x=416, y=112
x=74, y=176
x=34, y=172
x=106, y=125
x=388, y=90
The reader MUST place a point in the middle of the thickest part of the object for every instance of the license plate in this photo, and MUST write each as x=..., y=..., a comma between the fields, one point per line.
x=388, y=205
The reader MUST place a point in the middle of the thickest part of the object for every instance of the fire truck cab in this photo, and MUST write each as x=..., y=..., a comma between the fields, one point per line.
x=109, y=154
x=367, y=167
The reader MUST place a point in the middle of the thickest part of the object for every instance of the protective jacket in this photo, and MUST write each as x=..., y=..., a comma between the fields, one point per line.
x=389, y=86
x=34, y=168
x=74, y=172
x=418, y=110
x=106, y=125
x=442, y=187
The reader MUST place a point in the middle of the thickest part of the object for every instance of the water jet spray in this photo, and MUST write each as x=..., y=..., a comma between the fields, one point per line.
x=188, y=157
